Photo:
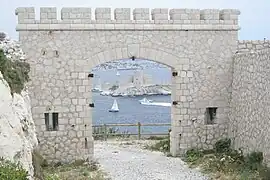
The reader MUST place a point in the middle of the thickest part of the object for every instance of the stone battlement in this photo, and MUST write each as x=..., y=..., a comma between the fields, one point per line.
x=245, y=46
x=48, y=15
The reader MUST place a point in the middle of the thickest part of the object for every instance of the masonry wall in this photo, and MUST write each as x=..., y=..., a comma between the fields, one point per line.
x=197, y=44
x=249, y=117
x=247, y=46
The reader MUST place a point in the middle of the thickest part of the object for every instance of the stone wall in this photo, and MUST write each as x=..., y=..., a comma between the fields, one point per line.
x=246, y=46
x=249, y=117
x=63, y=52
x=83, y=15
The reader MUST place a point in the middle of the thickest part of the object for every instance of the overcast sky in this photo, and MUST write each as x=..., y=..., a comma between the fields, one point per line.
x=254, y=18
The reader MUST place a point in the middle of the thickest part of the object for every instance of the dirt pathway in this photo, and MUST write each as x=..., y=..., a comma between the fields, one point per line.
x=131, y=162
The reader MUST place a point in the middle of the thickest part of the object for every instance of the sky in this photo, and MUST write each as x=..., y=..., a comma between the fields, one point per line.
x=254, y=18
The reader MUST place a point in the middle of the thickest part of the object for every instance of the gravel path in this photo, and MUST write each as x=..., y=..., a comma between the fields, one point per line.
x=131, y=162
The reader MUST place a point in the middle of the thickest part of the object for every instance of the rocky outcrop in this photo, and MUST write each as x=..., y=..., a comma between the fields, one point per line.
x=139, y=91
x=129, y=64
x=17, y=129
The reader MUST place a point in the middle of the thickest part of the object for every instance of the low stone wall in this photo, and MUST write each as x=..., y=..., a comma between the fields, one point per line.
x=246, y=46
x=250, y=104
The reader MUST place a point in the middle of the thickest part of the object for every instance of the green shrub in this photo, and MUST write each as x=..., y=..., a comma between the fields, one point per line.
x=12, y=171
x=264, y=172
x=14, y=72
x=52, y=177
x=223, y=145
x=230, y=162
x=193, y=155
x=162, y=145
x=102, y=132
x=253, y=160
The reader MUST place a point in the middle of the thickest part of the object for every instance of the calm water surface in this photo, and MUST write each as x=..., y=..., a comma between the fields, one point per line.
x=131, y=111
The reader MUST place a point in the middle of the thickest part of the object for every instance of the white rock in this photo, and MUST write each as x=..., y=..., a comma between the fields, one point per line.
x=17, y=129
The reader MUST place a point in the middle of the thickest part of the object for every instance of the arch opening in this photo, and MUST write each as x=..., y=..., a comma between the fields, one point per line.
x=142, y=90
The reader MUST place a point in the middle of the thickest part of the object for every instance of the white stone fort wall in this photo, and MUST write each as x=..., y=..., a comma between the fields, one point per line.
x=247, y=46
x=249, y=116
x=197, y=44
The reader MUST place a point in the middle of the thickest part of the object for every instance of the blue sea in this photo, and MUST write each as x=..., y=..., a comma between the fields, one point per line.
x=130, y=110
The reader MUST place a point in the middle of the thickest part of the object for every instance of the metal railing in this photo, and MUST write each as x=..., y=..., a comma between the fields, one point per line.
x=106, y=130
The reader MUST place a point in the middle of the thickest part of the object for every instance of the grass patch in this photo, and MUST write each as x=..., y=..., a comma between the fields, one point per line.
x=12, y=171
x=14, y=72
x=79, y=170
x=157, y=138
x=162, y=145
x=104, y=132
x=223, y=162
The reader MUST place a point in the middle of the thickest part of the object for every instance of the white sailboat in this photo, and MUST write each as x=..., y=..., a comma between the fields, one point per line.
x=117, y=73
x=114, y=107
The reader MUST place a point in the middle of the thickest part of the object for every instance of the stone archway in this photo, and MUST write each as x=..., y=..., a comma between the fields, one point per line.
x=197, y=44
x=156, y=55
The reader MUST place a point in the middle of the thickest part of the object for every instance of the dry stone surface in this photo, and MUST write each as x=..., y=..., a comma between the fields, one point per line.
x=17, y=129
x=200, y=45
x=123, y=162
x=249, y=116
x=197, y=44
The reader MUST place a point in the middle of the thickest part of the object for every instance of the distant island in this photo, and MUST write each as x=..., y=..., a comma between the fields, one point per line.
x=129, y=64
x=139, y=84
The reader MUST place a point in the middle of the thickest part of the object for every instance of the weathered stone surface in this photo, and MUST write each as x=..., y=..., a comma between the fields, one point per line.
x=197, y=44
x=249, y=116
x=252, y=46
x=60, y=67
x=17, y=129
x=81, y=16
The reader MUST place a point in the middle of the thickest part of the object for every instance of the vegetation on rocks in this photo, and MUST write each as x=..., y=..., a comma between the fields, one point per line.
x=105, y=132
x=223, y=162
x=163, y=144
x=12, y=171
x=79, y=170
x=14, y=72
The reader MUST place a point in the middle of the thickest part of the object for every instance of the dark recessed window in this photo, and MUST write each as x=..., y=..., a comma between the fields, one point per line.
x=210, y=115
x=85, y=143
x=51, y=121
x=56, y=53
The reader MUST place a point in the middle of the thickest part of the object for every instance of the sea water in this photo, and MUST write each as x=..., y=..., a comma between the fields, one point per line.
x=131, y=111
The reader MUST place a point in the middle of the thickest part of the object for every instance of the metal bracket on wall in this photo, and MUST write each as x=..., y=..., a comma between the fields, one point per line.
x=91, y=75
x=174, y=73
x=92, y=105
x=174, y=102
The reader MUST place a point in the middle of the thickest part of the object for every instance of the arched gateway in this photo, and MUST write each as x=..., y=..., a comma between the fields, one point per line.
x=197, y=44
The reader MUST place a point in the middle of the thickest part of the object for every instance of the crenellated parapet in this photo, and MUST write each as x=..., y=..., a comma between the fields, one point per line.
x=189, y=18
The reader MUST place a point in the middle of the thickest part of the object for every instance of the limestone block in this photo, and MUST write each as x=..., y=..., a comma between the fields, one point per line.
x=184, y=14
x=122, y=14
x=160, y=14
x=141, y=14
x=103, y=14
x=229, y=14
x=26, y=15
x=209, y=14
x=78, y=13
x=47, y=14
x=18, y=132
